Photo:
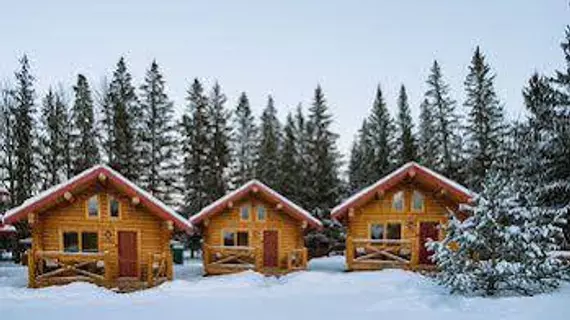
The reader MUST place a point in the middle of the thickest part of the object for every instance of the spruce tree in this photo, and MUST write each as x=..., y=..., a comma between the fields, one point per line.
x=406, y=142
x=158, y=144
x=380, y=135
x=25, y=135
x=485, y=125
x=124, y=138
x=7, y=141
x=289, y=159
x=269, y=147
x=445, y=125
x=243, y=144
x=426, y=136
x=220, y=133
x=197, y=168
x=84, y=134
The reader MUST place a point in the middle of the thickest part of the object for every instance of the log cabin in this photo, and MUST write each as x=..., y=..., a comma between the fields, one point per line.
x=256, y=228
x=389, y=222
x=101, y=228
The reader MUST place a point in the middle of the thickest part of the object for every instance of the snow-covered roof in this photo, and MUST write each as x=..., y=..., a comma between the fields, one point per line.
x=396, y=176
x=239, y=193
x=6, y=228
x=87, y=176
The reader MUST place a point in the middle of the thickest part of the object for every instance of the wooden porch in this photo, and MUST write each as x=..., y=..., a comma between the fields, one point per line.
x=46, y=268
x=368, y=254
x=232, y=259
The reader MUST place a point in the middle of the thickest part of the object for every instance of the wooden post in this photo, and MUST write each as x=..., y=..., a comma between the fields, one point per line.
x=150, y=270
x=31, y=269
x=206, y=256
x=169, y=266
x=290, y=261
x=108, y=277
x=305, y=257
x=349, y=253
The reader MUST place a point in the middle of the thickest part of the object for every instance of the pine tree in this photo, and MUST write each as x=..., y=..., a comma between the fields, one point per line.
x=503, y=245
x=243, y=143
x=220, y=141
x=84, y=135
x=54, y=140
x=406, y=145
x=197, y=168
x=485, y=125
x=269, y=147
x=361, y=156
x=426, y=136
x=25, y=135
x=7, y=142
x=289, y=162
x=124, y=115
x=158, y=161
x=380, y=135
x=445, y=126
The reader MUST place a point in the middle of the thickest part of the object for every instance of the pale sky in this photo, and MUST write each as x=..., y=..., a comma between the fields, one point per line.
x=285, y=48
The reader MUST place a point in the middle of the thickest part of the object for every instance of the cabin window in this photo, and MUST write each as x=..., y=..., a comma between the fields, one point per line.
x=243, y=239
x=398, y=201
x=114, y=207
x=93, y=206
x=393, y=231
x=229, y=238
x=417, y=201
x=376, y=231
x=261, y=214
x=244, y=213
x=70, y=242
x=89, y=242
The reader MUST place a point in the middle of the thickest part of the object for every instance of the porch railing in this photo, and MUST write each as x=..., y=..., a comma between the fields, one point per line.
x=159, y=268
x=364, y=253
x=297, y=259
x=57, y=267
x=225, y=259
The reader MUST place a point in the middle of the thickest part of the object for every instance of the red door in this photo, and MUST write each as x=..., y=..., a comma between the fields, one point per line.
x=428, y=230
x=270, y=248
x=127, y=254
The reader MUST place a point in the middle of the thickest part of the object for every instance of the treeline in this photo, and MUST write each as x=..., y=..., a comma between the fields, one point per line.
x=216, y=145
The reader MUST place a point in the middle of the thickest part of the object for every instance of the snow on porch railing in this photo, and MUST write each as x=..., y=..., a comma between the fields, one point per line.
x=297, y=259
x=385, y=252
x=159, y=268
x=56, y=267
x=229, y=258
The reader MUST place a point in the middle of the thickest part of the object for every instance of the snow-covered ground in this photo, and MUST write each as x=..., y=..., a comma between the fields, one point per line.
x=324, y=292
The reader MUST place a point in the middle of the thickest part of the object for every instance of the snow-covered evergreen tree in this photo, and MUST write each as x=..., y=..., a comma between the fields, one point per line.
x=220, y=133
x=84, y=133
x=196, y=149
x=25, y=134
x=122, y=113
x=485, y=125
x=7, y=142
x=405, y=140
x=439, y=116
x=503, y=244
x=159, y=165
x=269, y=147
x=244, y=143
x=361, y=156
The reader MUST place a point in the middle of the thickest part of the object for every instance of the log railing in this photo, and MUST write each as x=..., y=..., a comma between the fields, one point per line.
x=159, y=269
x=368, y=253
x=55, y=267
x=297, y=259
x=226, y=259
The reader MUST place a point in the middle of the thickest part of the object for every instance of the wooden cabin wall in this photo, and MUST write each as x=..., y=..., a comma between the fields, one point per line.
x=290, y=232
x=153, y=234
x=381, y=211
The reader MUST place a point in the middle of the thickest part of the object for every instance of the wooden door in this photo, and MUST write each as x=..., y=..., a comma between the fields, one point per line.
x=428, y=230
x=127, y=254
x=270, y=249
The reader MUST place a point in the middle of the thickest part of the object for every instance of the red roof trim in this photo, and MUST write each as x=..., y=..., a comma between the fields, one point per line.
x=269, y=194
x=397, y=177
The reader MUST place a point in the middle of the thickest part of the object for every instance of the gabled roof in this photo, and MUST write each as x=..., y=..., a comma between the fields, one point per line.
x=263, y=191
x=410, y=169
x=51, y=195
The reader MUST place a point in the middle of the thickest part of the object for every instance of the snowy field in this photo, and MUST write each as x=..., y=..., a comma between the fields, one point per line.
x=325, y=292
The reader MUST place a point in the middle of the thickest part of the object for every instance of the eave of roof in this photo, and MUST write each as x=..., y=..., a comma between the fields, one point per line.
x=219, y=205
x=52, y=194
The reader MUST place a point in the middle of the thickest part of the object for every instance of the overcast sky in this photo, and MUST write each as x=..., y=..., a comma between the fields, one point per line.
x=285, y=48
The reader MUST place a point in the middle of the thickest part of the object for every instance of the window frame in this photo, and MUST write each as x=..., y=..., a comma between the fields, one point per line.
x=384, y=225
x=412, y=203
x=264, y=213
x=370, y=225
x=82, y=242
x=79, y=233
x=235, y=237
x=403, y=195
x=248, y=207
x=78, y=245
x=98, y=216
x=120, y=209
x=393, y=223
